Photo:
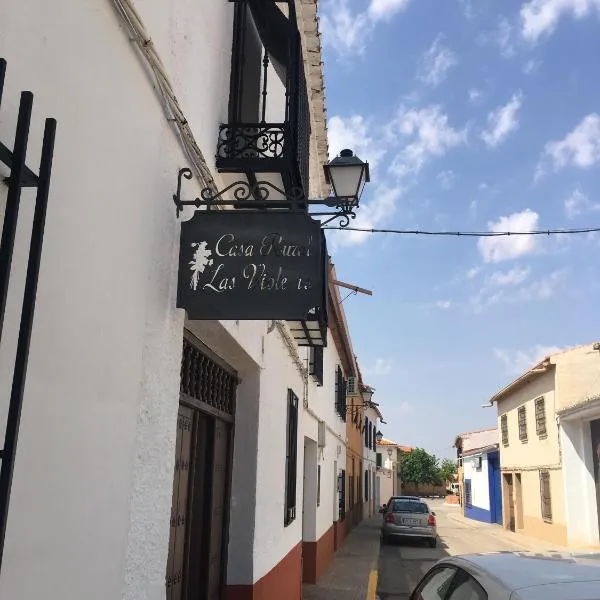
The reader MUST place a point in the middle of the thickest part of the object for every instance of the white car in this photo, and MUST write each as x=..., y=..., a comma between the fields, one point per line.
x=512, y=576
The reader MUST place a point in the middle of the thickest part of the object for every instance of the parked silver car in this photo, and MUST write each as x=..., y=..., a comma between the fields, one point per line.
x=408, y=516
x=512, y=576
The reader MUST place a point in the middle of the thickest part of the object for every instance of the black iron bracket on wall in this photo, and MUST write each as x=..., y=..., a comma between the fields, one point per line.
x=259, y=195
x=20, y=177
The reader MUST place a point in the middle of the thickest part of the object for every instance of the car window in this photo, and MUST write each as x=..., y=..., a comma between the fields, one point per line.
x=467, y=588
x=435, y=585
x=409, y=506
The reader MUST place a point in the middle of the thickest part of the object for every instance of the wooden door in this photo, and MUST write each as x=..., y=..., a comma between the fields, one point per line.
x=180, y=506
x=218, y=502
x=508, y=479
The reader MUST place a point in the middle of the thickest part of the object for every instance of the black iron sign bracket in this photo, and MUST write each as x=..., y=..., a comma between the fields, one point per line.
x=259, y=195
x=20, y=176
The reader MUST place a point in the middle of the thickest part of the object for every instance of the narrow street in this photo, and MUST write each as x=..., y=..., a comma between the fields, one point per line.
x=403, y=563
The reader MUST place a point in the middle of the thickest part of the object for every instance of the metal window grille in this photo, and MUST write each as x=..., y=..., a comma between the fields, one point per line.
x=540, y=417
x=546, y=496
x=340, y=393
x=291, y=459
x=316, y=364
x=522, y=423
x=468, y=494
x=504, y=429
x=342, y=495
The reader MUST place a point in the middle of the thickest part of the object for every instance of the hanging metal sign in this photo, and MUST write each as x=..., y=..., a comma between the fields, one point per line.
x=249, y=265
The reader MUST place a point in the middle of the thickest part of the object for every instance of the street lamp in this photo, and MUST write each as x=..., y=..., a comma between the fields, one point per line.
x=347, y=175
x=379, y=436
x=367, y=393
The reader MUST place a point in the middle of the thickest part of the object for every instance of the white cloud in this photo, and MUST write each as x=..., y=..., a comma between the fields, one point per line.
x=515, y=276
x=347, y=31
x=540, y=17
x=517, y=362
x=579, y=148
x=443, y=304
x=504, y=38
x=503, y=121
x=501, y=248
x=382, y=366
x=386, y=9
x=446, y=179
x=579, y=204
x=475, y=95
x=372, y=214
x=436, y=63
x=355, y=133
x=540, y=289
x=530, y=66
x=430, y=135
x=472, y=273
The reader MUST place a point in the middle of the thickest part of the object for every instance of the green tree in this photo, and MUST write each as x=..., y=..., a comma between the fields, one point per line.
x=419, y=466
x=448, y=469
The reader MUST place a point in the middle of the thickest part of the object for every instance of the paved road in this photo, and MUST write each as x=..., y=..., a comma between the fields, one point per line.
x=403, y=563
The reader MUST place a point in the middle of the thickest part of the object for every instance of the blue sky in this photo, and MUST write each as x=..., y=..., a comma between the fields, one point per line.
x=474, y=115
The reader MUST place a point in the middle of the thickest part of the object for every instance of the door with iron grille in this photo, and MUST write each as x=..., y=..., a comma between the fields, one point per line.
x=202, y=478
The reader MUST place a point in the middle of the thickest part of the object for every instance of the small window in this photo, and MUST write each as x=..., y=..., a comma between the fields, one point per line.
x=540, y=417
x=546, y=496
x=340, y=394
x=367, y=428
x=522, y=423
x=342, y=495
x=378, y=460
x=468, y=495
x=436, y=584
x=504, y=429
x=316, y=364
x=366, y=486
x=291, y=460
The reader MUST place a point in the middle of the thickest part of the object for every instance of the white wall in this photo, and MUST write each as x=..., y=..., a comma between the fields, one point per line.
x=480, y=484
x=93, y=478
x=321, y=405
x=578, y=480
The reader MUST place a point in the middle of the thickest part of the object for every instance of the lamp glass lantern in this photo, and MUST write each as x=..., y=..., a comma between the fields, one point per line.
x=379, y=436
x=347, y=175
x=367, y=395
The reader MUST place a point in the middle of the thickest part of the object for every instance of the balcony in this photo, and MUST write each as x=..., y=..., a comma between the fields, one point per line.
x=267, y=134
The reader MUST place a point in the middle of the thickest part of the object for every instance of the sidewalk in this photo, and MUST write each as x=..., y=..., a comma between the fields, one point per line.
x=353, y=572
x=519, y=539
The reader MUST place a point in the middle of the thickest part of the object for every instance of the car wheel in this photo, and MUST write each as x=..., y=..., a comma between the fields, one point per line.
x=433, y=542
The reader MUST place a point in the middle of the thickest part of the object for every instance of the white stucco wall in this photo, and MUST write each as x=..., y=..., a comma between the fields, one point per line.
x=92, y=489
x=93, y=477
x=480, y=485
x=578, y=481
x=321, y=406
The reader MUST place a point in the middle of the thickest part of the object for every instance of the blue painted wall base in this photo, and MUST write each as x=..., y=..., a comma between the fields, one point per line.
x=478, y=514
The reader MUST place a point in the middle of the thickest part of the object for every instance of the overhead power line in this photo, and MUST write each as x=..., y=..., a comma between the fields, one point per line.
x=468, y=233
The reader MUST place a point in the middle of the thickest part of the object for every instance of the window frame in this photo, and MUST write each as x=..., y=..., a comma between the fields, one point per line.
x=540, y=417
x=468, y=493
x=316, y=364
x=504, y=429
x=340, y=393
x=522, y=422
x=291, y=459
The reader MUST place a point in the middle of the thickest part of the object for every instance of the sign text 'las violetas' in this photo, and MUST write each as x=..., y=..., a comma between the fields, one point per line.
x=240, y=264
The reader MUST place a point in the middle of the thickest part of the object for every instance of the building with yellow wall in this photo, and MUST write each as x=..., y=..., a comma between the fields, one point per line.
x=549, y=426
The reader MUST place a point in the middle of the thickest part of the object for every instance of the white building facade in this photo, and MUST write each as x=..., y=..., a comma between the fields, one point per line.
x=157, y=455
x=386, y=484
x=372, y=420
